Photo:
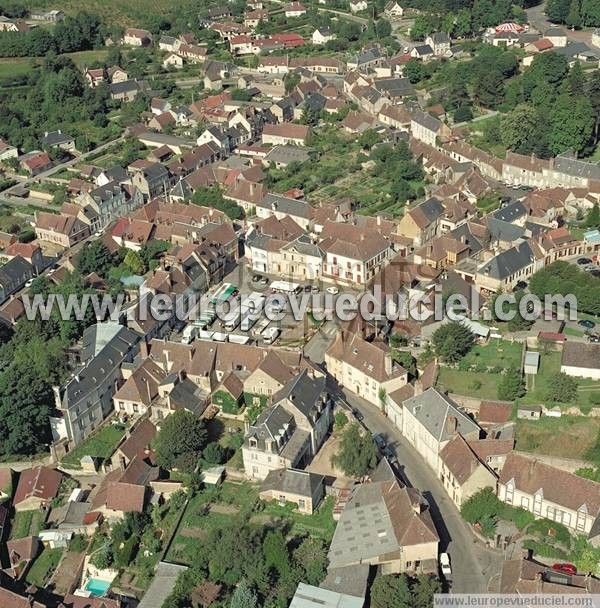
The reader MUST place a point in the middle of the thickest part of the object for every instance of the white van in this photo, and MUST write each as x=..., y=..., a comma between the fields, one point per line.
x=261, y=326
x=189, y=333
x=270, y=334
x=219, y=337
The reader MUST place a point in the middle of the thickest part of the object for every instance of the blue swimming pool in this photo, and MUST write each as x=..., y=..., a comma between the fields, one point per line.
x=97, y=587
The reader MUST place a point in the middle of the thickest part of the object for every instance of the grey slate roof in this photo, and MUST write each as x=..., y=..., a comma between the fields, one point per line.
x=56, y=138
x=271, y=425
x=15, y=269
x=162, y=585
x=395, y=87
x=308, y=596
x=501, y=230
x=432, y=410
x=508, y=262
x=305, y=246
x=293, y=481
x=511, y=212
x=289, y=206
x=426, y=120
x=579, y=168
x=303, y=391
x=287, y=154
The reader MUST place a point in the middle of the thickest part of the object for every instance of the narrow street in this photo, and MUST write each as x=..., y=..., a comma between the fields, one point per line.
x=475, y=568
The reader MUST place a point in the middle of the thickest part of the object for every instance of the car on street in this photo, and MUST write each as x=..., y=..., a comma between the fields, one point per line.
x=379, y=440
x=315, y=289
x=390, y=455
x=256, y=278
x=565, y=568
x=357, y=415
x=333, y=290
x=594, y=338
x=264, y=281
x=307, y=288
x=584, y=261
x=586, y=323
x=445, y=565
x=521, y=285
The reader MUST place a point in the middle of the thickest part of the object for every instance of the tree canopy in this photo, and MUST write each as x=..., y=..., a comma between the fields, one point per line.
x=452, y=341
x=358, y=452
x=180, y=442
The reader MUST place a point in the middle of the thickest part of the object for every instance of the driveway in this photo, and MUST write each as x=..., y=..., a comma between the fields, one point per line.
x=537, y=18
x=474, y=566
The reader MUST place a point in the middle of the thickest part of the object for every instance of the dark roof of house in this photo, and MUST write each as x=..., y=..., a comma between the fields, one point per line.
x=56, y=138
x=294, y=481
x=283, y=204
x=511, y=212
x=14, y=270
x=508, y=262
x=581, y=354
x=304, y=391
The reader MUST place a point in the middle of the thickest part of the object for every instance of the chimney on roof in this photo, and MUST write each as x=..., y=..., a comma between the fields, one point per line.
x=451, y=425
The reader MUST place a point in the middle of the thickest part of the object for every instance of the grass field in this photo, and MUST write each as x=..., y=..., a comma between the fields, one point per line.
x=497, y=353
x=565, y=437
x=12, y=68
x=43, y=567
x=481, y=384
x=100, y=445
x=26, y=523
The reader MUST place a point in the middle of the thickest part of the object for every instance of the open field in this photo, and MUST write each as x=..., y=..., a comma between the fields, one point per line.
x=565, y=437
x=482, y=384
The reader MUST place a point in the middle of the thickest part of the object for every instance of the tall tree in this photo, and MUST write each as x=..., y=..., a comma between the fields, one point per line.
x=519, y=128
x=452, y=341
x=357, y=453
x=182, y=437
x=573, y=19
x=243, y=597
x=571, y=124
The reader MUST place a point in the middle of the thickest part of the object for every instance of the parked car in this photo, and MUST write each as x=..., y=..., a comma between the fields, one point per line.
x=333, y=290
x=307, y=288
x=315, y=289
x=565, y=568
x=264, y=281
x=586, y=323
x=389, y=454
x=594, y=338
x=584, y=261
x=256, y=278
x=445, y=564
x=357, y=414
x=29, y=283
x=521, y=285
x=379, y=440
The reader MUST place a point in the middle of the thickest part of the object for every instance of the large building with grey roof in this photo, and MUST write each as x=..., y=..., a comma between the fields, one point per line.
x=430, y=420
x=86, y=399
x=386, y=524
x=291, y=431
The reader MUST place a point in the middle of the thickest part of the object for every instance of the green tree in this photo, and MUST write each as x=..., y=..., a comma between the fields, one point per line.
x=357, y=453
x=557, y=10
x=424, y=589
x=391, y=591
x=243, y=597
x=452, y=341
x=311, y=559
x=572, y=123
x=95, y=257
x=511, y=385
x=367, y=139
x=593, y=217
x=213, y=453
x=519, y=128
x=133, y=260
x=590, y=12
x=276, y=552
x=573, y=19
x=182, y=435
x=561, y=388
x=406, y=360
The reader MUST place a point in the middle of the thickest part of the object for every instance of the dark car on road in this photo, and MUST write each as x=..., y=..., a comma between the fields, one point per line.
x=587, y=323
x=584, y=261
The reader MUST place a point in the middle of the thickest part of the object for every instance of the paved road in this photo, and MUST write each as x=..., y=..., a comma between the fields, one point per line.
x=537, y=19
x=475, y=568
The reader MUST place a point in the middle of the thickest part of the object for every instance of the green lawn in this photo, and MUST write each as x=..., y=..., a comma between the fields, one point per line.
x=26, y=523
x=100, y=445
x=570, y=331
x=497, y=353
x=43, y=567
x=320, y=523
x=480, y=384
x=564, y=437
